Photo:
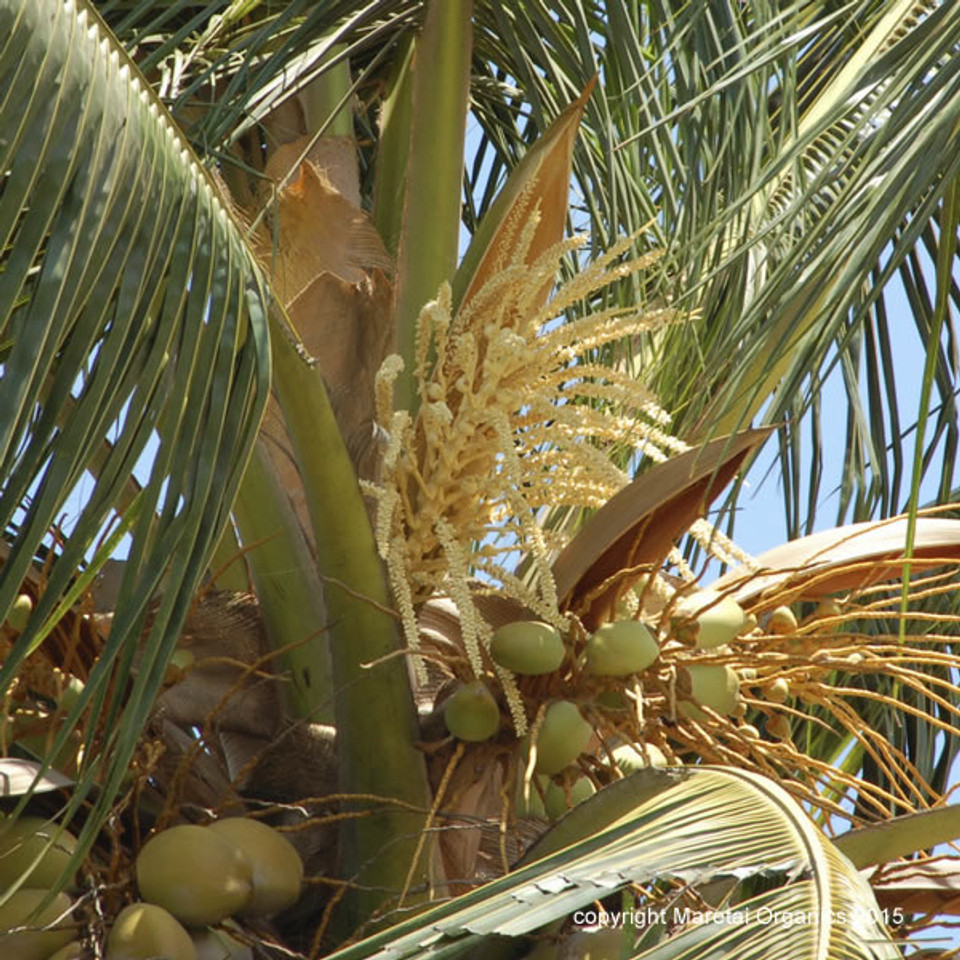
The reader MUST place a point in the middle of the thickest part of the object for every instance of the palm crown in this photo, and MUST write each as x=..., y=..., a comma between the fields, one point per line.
x=452, y=447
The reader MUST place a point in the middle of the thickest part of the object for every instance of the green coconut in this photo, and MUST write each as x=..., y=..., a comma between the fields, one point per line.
x=615, y=701
x=277, y=867
x=604, y=943
x=778, y=691
x=21, y=910
x=219, y=945
x=194, y=873
x=72, y=691
x=563, y=736
x=39, y=744
x=532, y=804
x=829, y=607
x=31, y=846
x=20, y=613
x=528, y=647
x=181, y=662
x=72, y=951
x=631, y=757
x=472, y=713
x=145, y=930
x=621, y=648
x=783, y=621
x=716, y=686
x=779, y=726
x=720, y=619
x=555, y=797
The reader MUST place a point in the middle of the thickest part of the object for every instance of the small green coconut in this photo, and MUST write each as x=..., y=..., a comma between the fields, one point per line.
x=219, y=945
x=614, y=700
x=72, y=691
x=829, y=607
x=720, y=619
x=21, y=910
x=145, y=930
x=631, y=757
x=472, y=713
x=528, y=647
x=179, y=665
x=20, y=613
x=778, y=691
x=532, y=804
x=555, y=797
x=563, y=736
x=779, y=726
x=72, y=951
x=28, y=839
x=277, y=867
x=194, y=873
x=604, y=943
x=783, y=621
x=716, y=686
x=620, y=648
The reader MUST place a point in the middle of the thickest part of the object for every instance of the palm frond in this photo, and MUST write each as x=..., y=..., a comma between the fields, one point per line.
x=791, y=157
x=692, y=827
x=138, y=360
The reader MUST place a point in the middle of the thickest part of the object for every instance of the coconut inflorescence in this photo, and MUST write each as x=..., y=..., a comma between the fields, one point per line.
x=607, y=672
x=563, y=690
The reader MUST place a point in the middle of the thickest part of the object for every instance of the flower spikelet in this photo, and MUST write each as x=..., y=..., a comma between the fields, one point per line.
x=517, y=415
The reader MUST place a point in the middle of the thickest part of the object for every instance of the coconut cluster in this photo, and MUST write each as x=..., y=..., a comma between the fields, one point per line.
x=248, y=870
x=191, y=878
x=573, y=685
x=543, y=661
x=33, y=924
x=37, y=701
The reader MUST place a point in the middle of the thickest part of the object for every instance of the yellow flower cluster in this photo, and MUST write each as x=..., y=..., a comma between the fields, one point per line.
x=516, y=419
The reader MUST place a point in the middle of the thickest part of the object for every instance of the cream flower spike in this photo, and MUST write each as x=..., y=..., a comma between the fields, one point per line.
x=515, y=417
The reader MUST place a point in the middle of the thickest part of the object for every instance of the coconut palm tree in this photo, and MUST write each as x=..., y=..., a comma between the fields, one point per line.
x=751, y=177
